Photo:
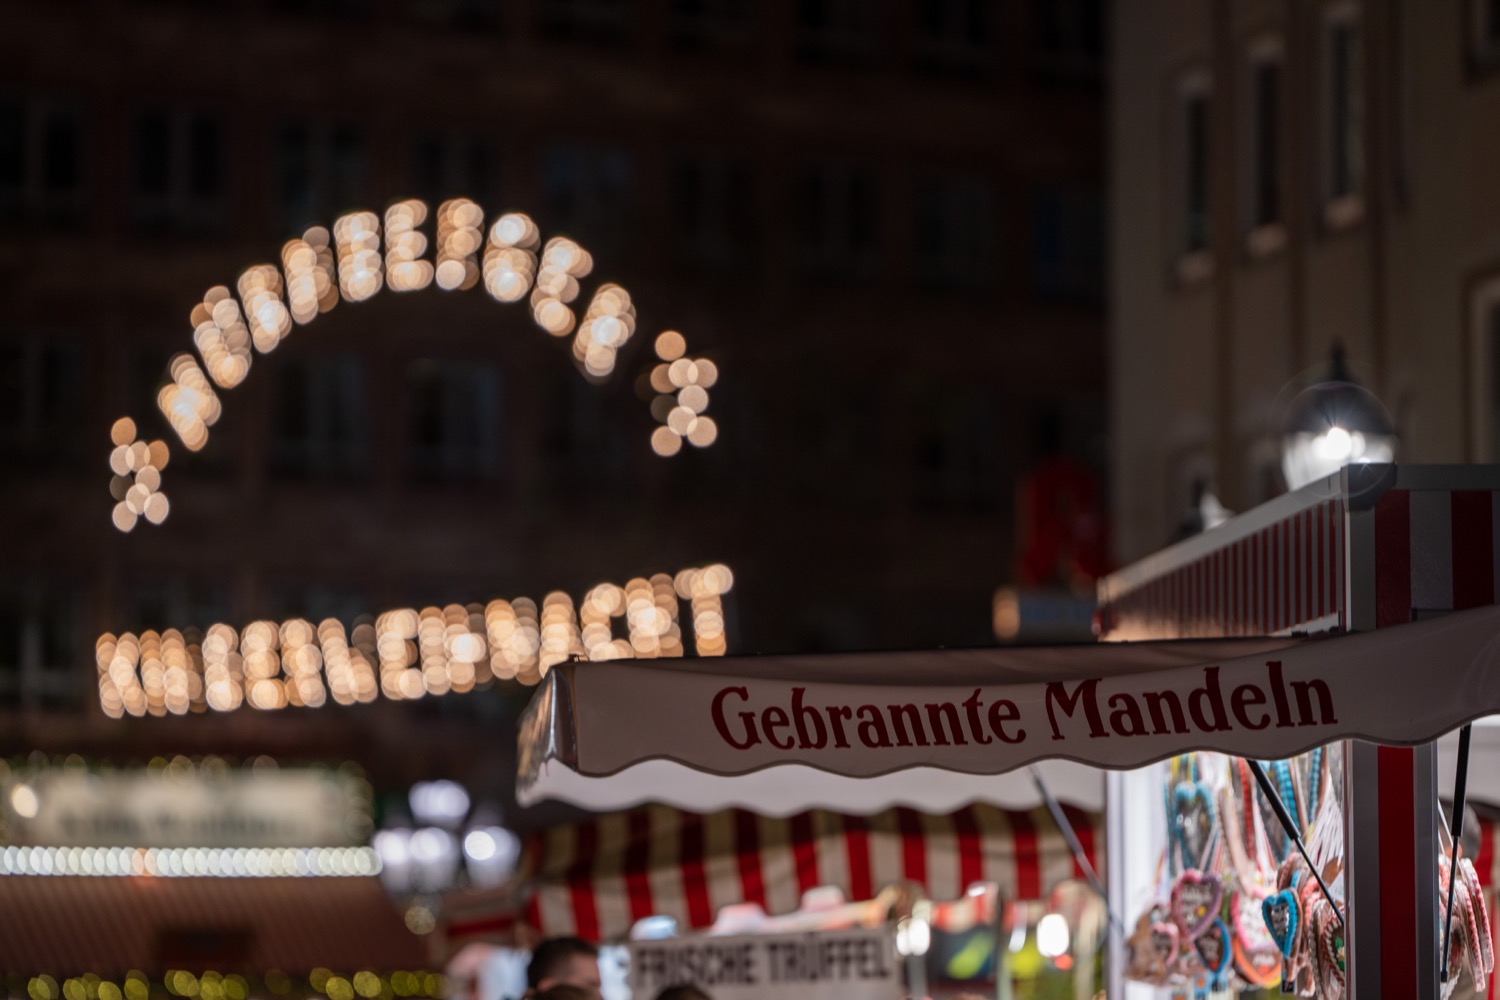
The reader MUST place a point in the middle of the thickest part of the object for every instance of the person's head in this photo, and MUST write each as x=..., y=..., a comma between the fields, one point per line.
x=563, y=991
x=564, y=961
x=686, y=991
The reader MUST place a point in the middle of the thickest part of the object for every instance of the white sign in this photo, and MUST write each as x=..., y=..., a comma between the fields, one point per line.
x=141, y=808
x=853, y=964
x=1115, y=705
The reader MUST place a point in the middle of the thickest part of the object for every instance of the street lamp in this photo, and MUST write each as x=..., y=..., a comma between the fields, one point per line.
x=1333, y=424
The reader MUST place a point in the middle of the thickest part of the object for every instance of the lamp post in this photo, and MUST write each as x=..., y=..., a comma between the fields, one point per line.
x=1334, y=423
x=444, y=852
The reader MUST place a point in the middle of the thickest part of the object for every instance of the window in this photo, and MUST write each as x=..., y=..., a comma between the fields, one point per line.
x=587, y=194
x=180, y=182
x=709, y=24
x=41, y=399
x=320, y=172
x=599, y=20
x=450, y=165
x=1069, y=41
x=715, y=211
x=1343, y=117
x=836, y=32
x=1262, y=195
x=842, y=454
x=454, y=421
x=956, y=450
x=321, y=418
x=584, y=447
x=1484, y=358
x=41, y=162
x=838, y=221
x=953, y=36
x=316, y=601
x=1484, y=35
x=1194, y=93
x=956, y=231
x=1067, y=244
x=158, y=603
x=41, y=662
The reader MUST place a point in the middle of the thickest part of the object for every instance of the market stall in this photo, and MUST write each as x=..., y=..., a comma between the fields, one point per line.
x=1372, y=548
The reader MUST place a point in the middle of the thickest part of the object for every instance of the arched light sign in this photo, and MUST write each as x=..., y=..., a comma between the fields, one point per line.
x=404, y=653
x=320, y=269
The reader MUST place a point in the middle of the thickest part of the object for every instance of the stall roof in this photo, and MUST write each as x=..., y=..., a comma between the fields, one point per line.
x=935, y=730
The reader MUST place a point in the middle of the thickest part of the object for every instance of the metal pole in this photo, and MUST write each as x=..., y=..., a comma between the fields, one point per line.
x=1269, y=791
x=1460, y=790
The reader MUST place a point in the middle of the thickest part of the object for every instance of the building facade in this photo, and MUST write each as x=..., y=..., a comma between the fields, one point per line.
x=882, y=222
x=1287, y=177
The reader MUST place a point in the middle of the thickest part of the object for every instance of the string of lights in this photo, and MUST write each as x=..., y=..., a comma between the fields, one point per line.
x=315, y=276
x=407, y=653
x=212, y=985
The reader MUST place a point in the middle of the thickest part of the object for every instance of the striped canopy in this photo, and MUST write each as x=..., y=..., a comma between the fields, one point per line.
x=596, y=878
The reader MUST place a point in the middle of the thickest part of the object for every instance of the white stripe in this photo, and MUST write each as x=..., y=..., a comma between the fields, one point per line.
x=1431, y=549
x=777, y=865
x=720, y=867
x=832, y=850
x=885, y=850
x=611, y=901
x=554, y=902
x=941, y=846
x=664, y=873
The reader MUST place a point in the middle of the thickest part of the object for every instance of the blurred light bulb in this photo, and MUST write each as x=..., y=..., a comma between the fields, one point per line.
x=1052, y=935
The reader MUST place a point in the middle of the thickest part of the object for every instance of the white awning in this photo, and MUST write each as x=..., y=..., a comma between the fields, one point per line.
x=938, y=730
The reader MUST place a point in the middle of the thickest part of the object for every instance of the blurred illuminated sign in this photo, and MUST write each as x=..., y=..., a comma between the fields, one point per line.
x=858, y=964
x=186, y=807
x=1027, y=614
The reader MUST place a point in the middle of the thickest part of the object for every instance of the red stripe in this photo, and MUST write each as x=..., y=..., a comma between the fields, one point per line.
x=1484, y=864
x=694, y=880
x=1473, y=549
x=638, y=864
x=1306, y=573
x=1325, y=550
x=970, y=848
x=1393, y=560
x=747, y=854
x=804, y=851
x=1398, y=852
x=581, y=882
x=1083, y=828
x=1278, y=587
x=1338, y=563
x=1028, y=859
x=857, y=844
x=1288, y=573
x=913, y=846
x=534, y=913
x=1265, y=582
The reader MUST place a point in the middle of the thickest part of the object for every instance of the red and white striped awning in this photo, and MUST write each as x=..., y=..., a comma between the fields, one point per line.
x=598, y=877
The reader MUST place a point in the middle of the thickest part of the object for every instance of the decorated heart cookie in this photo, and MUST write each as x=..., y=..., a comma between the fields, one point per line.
x=1280, y=911
x=1194, y=808
x=1213, y=949
x=1196, y=898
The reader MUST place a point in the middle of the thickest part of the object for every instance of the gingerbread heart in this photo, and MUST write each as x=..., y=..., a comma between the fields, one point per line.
x=1165, y=943
x=1261, y=969
x=1196, y=898
x=1213, y=948
x=1280, y=912
x=1194, y=806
